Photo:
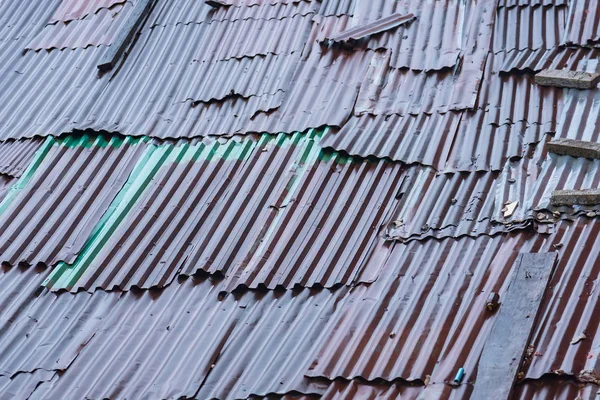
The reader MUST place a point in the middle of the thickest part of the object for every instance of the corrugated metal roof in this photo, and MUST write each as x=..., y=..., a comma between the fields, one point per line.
x=538, y=28
x=246, y=77
x=582, y=23
x=100, y=28
x=427, y=316
x=48, y=215
x=555, y=58
x=180, y=342
x=224, y=40
x=278, y=176
x=453, y=141
x=15, y=155
x=69, y=10
x=452, y=92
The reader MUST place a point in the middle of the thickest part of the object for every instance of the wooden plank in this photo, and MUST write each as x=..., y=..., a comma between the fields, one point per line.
x=126, y=35
x=505, y=347
x=568, y=79
x=582, y=197
x=575, y=148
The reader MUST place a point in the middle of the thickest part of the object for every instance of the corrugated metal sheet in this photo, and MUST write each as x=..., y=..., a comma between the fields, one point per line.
x=426, y=316
x=249, y=37
x=283, y=234
x=424, y=139
x=452, y=141
x=100, y=28
x=323, y=92
x=23, y=385
x=246, y=77
x=440, y=205
x=56, y=204
x=573, y=308
x=579, y=119
x=271, y=350
x=69, y=10
x=15, y=155
x=556, y=389
x=184, y=342
x=516, y=98
x=359, y=389
x=264, y=10
x=537, y=60
x=582, y=23
x=532, y=28
x=531, y=3
x=45, y=331
x=400, y=91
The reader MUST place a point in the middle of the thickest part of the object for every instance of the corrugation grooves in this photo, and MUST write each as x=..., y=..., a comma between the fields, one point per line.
x=77, y=9
x=148, y=344
x=94, y=30
x=583, y=26
x=277, y=224
x=342, y=234
x=450, y=327
x=15, y=155
x=67, y=194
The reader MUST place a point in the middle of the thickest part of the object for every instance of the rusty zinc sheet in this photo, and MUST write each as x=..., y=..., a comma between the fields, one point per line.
x=185, y=342
x=579, y=119
x=453, y=141
x=511, y=98
x=582, y=23
x=555, y=58
x=401, y=91
x=49, y=214
x=323, y=92
x=283, y=236
x=426, y=317
x=100, y=28
x=70, y=10
x=239, y=38
x=538, y=28
x=268, y=75
x=15, y=155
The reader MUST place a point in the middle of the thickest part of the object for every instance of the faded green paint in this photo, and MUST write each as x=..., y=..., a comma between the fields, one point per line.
x=65, y=275
x=156, y=157
x=29, y=172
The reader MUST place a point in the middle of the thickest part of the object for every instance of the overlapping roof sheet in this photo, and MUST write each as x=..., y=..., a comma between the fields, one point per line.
x=245, y=207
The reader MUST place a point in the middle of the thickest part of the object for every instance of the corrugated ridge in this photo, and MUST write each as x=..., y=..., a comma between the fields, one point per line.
x=70, y=10
x=15, y=155
x=65, y=193
x=100, y=28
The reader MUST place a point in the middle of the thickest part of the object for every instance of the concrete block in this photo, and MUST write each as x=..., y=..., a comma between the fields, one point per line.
x=567, y=79
x=583, y=197
x=575, y=148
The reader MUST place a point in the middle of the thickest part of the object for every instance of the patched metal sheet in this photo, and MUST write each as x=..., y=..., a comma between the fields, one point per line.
x=50, y=213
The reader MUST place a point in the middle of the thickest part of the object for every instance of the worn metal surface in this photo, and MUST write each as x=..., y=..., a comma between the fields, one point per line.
x=351, y=36
x=582, y=23
x=100, y=28
x=70, y=10
x=426, y=316
x=184, y=341
x=284, y=236
x=56, y=204
x=15, y=155
x=538, y=28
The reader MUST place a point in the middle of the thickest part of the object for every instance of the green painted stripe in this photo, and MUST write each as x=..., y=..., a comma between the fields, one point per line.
x=65, y=276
